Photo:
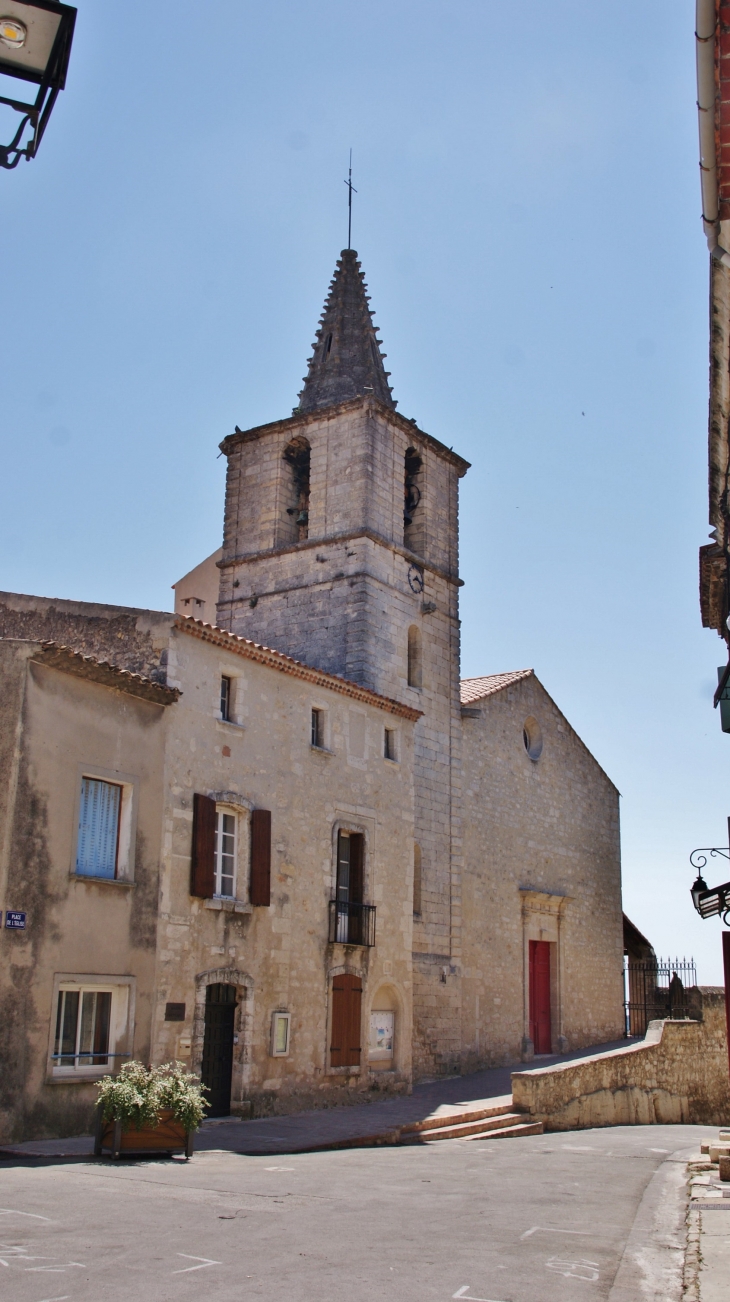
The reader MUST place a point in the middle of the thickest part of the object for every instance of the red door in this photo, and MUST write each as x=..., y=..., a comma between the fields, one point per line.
x=540, y=1028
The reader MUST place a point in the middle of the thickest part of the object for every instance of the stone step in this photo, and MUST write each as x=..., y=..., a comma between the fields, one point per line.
x=449, y=1115
x=486, y=1127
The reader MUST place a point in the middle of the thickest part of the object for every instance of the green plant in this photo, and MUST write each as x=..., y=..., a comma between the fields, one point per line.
x=138, y=1094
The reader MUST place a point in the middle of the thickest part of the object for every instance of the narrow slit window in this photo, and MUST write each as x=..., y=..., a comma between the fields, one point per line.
x=417, y=880
x=318, y=728
x=225, y=854
x=226, y=698
x=389, y=744
x=415, y=658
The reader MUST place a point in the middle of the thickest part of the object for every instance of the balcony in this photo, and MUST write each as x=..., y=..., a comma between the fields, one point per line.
x=352, y=924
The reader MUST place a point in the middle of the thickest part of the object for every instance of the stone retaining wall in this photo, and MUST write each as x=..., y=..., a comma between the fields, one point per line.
x=677, y=1074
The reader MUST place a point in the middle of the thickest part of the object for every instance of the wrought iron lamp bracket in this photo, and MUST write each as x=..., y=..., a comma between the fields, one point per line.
x=710, y=901
x=37, y=114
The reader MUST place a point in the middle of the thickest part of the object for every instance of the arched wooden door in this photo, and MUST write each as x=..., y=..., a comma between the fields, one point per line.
x=220, y=1011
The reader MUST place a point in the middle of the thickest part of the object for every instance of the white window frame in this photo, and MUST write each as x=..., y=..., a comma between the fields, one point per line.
x=220, y=811
x=278, y=1019
x=124, y=868
x=121, y=1024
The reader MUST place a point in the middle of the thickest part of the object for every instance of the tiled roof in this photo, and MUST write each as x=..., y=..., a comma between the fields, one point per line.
x=473, y=689
x=265, y=655
x=101, y=671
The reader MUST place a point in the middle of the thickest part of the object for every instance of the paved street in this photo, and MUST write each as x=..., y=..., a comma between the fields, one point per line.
x=549, y=1218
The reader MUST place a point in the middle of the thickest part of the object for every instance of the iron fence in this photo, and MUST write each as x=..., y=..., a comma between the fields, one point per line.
x=657, y=989
x=352, y=924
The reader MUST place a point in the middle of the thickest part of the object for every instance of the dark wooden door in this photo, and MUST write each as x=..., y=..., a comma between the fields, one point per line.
x=540, y=1027
x=220, y=1009
x=346, y=1019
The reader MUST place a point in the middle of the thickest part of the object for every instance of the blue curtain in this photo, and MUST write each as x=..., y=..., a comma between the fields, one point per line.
x=98, y=828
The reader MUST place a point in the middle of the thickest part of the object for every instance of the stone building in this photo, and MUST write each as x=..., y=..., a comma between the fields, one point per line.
x=342, y=869
x=340, y=547
x=126, y=948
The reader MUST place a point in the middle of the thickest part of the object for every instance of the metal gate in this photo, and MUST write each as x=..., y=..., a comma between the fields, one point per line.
x=658, y=989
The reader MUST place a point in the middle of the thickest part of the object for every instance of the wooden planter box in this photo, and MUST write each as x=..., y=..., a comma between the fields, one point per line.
x=168, y=1136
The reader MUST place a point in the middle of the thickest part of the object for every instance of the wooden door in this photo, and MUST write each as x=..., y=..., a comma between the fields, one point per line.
x=346, y=1019
x=540, y=1025
x=220, y=1010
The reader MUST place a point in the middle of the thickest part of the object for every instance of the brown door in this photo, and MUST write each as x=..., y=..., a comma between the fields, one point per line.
x=346, y=1003
x=220, y=1012
x=540, y=1028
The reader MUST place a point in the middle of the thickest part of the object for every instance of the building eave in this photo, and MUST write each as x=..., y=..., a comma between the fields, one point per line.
x=300, y=420
x=264, y=655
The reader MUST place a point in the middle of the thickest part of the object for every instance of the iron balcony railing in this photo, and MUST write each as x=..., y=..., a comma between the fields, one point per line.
x=658, y=989
x=352, y=924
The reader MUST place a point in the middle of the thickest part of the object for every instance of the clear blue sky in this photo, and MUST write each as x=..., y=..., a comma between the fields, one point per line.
x=528, y=217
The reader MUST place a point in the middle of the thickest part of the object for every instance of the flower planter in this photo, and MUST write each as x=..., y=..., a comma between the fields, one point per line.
x=167, y=1136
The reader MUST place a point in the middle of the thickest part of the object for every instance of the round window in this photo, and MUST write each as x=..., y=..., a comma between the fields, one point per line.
x=532, y=737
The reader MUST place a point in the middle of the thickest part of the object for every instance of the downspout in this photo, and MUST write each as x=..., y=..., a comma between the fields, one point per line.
x=706, y=27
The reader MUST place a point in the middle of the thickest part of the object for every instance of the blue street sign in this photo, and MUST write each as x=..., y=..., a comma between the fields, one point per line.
x=14, y=920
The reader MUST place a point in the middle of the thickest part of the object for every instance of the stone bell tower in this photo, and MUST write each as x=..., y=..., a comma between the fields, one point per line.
x=341, y=549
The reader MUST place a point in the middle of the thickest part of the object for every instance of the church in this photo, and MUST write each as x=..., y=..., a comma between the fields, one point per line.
x=273, y=834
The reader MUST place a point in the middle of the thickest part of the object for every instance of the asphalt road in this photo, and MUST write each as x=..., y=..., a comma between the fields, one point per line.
x=542, y=1219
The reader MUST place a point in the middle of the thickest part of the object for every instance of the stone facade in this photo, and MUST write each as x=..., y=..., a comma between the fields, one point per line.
x=542, y=856
x=58, y=725
x=141, y=935
x=346, y=598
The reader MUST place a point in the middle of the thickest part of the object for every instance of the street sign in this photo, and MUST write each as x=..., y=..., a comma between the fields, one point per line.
x=15, y=921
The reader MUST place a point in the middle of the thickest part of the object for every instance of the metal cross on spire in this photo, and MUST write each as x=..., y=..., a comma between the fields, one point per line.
x=350, y=188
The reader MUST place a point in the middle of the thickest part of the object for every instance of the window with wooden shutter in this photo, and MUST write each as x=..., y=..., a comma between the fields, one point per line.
x=261, y=857
x=202, y=874
x=346, y=1017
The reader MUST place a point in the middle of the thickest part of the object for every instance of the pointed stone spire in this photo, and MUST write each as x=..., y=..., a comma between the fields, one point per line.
x=346, y=361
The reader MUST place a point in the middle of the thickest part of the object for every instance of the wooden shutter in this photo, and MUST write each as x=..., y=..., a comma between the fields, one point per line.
x=346, y=1019
x=357, y=857
x=261, y=857
x=202, y=874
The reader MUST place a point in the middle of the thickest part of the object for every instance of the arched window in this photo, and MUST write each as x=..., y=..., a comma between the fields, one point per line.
x=294, y=521
x=415, y=668
x=412, y=517
x=417, y=879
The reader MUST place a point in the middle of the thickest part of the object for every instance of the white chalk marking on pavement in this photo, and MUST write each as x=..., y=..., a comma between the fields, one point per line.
x=279, y=1168
x=65, y=1298
x=462, y=1294
x=13, y=1211
x=547, y=1229
x=581, y=1269
x=206, y=1261
x=658, y=1150
x=579, y=1148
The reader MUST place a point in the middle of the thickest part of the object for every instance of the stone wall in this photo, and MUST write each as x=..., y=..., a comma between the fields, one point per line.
x=678, y=1073
x=122, y=635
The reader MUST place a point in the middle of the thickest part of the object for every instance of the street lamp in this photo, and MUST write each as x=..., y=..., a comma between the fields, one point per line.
x=711, y=901
x=35, y=44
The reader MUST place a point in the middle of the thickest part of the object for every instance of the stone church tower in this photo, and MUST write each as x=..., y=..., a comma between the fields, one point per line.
x=341, y=549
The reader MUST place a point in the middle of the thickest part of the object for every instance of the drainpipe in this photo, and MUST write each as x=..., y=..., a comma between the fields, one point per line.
x=706, y=27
